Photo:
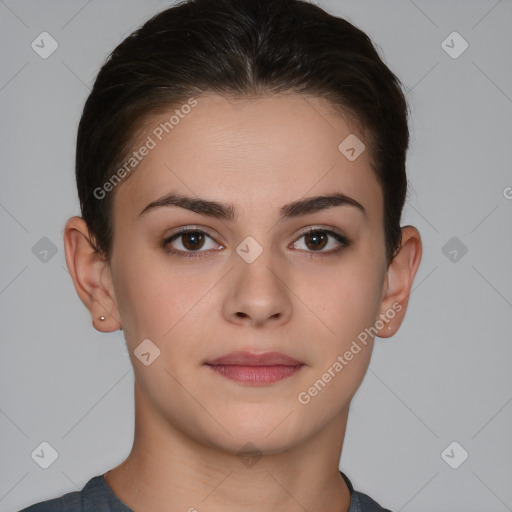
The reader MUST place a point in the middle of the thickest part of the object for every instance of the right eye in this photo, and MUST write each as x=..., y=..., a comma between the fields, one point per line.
x=191, y=241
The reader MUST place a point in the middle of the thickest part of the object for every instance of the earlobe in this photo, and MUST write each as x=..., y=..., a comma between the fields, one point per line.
x=91, y=276
x=399, y=280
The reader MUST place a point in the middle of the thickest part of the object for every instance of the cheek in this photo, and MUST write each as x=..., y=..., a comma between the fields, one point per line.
x=349, y=306
x=345, y=302
x=360, y=302
x=145, y=293
x=157, y=297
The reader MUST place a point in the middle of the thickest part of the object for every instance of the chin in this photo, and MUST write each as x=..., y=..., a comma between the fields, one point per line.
x=259, y=434
x=254, y=445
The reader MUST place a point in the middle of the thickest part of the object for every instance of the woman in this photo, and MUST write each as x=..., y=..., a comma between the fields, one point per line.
x=241, y=172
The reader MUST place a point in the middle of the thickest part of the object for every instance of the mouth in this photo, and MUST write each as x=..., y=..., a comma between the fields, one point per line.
x=255, y=369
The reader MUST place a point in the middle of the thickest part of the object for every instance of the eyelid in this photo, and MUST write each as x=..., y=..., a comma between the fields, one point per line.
x=321, y=227
x=192, y=229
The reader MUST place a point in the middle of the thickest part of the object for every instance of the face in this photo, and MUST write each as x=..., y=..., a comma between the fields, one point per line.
x=288, y=289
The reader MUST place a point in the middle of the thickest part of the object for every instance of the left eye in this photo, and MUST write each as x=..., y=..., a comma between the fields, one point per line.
x=316, y=239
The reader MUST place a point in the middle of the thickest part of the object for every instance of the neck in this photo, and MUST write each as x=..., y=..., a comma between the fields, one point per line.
x=168, y=471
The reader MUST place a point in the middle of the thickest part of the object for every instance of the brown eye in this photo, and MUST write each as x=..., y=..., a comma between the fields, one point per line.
x=315, y=240
x=189, y=241
x=192, y=240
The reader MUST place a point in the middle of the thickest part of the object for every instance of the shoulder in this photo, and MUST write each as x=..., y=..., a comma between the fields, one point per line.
x=94, y=497
x=68, y=502
x=361, y=502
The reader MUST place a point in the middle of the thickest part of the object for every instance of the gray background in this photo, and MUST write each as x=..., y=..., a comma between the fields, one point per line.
x=444, y=377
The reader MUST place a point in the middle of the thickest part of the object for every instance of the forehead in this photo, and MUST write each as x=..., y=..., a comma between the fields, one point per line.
x=249, y=152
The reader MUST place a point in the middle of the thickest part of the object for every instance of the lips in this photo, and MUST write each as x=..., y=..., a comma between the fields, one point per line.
x=250, y=359
x=255, y=369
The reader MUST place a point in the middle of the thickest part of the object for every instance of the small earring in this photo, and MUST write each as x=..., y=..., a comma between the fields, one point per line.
x=102, y=318
x=389, y=327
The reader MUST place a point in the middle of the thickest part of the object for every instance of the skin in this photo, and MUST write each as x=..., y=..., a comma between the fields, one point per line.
x=191, y=422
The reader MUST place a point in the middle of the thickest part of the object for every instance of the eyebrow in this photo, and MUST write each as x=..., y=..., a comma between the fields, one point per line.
x=227, y=211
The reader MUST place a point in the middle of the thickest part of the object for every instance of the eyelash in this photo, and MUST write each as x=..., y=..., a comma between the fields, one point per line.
x=343, y=240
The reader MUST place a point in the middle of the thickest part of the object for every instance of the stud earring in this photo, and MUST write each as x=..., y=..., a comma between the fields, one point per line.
x=102, y=318
x=389, y=327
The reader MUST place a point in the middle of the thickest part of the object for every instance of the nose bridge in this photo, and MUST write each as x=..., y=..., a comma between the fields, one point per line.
x=257, y=291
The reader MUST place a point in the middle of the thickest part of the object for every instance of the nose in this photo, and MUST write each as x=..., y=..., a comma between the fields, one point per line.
x=258, y=294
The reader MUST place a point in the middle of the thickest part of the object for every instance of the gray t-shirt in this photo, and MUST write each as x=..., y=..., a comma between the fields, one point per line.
x=97, y=496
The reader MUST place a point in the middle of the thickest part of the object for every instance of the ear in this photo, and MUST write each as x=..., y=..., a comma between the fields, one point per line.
x=91, y=276
x=398, y=283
